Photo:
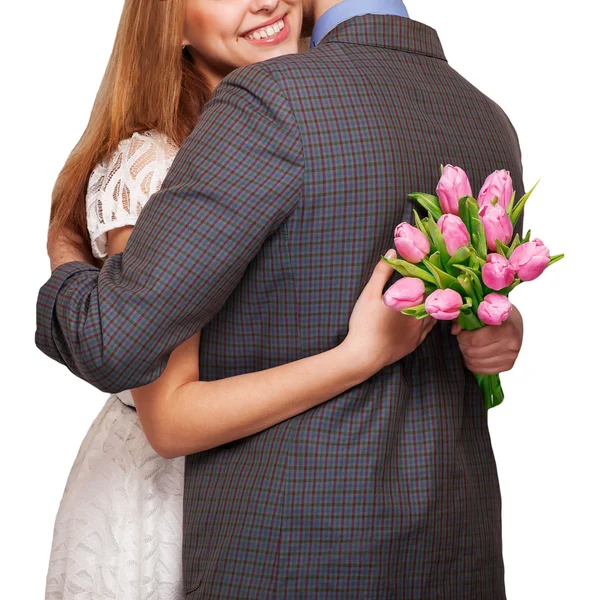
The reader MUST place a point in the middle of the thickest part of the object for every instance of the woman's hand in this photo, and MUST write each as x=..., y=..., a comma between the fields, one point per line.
x=379, y=336
x=492, y=349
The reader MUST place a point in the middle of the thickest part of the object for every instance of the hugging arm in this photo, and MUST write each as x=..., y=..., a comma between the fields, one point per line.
x=181, y=415
x=234, y=181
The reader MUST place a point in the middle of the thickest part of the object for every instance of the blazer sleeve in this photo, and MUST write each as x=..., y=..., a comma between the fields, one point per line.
x=237, y=177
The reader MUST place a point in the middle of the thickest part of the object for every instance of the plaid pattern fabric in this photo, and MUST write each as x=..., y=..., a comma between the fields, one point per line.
x=264, y=233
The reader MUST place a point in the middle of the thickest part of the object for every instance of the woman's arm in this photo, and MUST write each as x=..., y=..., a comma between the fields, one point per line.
x=181, y=415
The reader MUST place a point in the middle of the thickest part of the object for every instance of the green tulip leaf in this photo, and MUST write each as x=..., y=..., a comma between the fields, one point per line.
x=437, y=239
x=518, y=209
x=463, y=213
x=502, y=249
x=474, y=278
x=511, y=203
x=472, y=207
x=468, y=320
x=428, y=202
x=457, y=288
x=475, y=262
x=416, y=311
x=436, y=260
x=478, y=287
x=555, y=259
x=515, y=244
x=527, y=237
x=443, y=279
x=434, y=274
x=507, y=290
x=479, y=239
x=407, y=269
x=467, y=285
x=421, y=226
x=461, y=255
x=476, y=228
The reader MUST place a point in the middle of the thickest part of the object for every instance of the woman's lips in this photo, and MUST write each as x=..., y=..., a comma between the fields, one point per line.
x=271, y=34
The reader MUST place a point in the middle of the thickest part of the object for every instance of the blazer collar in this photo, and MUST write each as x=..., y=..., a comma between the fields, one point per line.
x=396, y=33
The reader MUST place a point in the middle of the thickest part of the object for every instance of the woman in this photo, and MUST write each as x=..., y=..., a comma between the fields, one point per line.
x=118, y=529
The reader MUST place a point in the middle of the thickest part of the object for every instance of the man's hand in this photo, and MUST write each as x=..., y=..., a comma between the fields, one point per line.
x=64, y=246
x=492, y=349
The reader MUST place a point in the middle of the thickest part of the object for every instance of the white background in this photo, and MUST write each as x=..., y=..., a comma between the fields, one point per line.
x=539, y=61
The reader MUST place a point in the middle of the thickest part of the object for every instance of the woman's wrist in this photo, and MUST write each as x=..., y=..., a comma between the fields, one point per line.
x=360, y=362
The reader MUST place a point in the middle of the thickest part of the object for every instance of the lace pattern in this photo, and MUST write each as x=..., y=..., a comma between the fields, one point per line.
x=118, y=531
x=120, y=185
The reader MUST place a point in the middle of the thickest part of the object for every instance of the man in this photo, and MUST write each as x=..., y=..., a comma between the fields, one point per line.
x=269, y=227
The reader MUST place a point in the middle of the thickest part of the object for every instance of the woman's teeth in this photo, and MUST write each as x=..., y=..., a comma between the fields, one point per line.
x=266, y=32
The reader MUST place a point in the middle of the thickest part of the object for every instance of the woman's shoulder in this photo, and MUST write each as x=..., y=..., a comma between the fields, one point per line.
x=152, y=145
x=121, y=184
x=144, y=157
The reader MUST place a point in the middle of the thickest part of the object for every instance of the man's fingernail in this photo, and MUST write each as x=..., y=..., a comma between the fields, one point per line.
x=390, y=254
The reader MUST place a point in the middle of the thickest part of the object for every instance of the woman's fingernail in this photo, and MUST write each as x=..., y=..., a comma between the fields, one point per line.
x=390, y=254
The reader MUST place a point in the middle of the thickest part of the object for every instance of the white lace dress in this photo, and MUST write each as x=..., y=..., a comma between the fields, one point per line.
x=118, y=532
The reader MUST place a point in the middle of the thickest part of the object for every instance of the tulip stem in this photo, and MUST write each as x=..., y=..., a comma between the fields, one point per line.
x=489, y=384
x=469, y=321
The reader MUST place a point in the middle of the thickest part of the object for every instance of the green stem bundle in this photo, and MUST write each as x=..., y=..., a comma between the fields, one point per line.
x=490, y=385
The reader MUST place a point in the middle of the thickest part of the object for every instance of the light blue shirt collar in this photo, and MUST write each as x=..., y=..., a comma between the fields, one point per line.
x=348, y=9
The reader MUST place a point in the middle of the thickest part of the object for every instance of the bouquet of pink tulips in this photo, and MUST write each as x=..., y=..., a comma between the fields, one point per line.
x=462, y=261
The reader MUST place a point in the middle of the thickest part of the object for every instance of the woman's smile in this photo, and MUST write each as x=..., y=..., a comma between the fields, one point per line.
x=274, y=31
x=224, y=35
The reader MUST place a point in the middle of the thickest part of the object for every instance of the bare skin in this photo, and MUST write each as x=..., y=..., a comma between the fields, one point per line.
x=492, y=350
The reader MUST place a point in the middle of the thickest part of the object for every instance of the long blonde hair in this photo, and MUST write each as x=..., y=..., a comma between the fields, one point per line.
x=149, y=83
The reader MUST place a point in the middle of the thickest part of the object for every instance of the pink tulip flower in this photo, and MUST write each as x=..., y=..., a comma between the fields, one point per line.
x=494, y=309
x=444, y=305
x=497, y=273
x=498, y=185
x=411, y=243
x=497, y=225
x=530, y=259
x=454, y=232
x=453, y=185
x=405, y=293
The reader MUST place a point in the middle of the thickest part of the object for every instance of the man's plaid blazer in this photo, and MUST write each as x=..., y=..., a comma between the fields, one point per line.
x=268, y=226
